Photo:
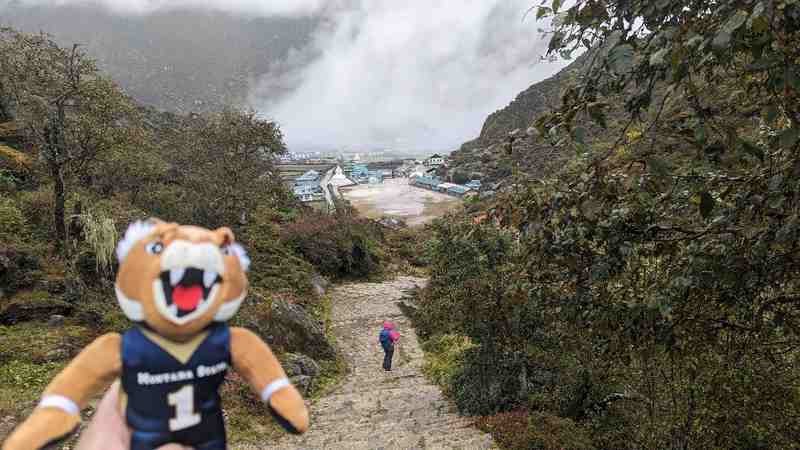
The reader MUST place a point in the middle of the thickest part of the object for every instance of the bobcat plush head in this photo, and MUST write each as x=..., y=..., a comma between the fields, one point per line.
x=178, y=279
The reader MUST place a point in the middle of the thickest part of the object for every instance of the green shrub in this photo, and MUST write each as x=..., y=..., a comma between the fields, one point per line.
x=37, y=207
x=12, y=222
x=444, y=357
x=408, y=244
x=549, y=432
x=339, y=247
x=274, y=266
x=21, y=267
x=509, y=429
x=488, y=382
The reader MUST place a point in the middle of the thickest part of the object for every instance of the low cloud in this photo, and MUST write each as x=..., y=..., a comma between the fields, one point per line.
x=416, y=74
x=247, y=7
x=409, y=74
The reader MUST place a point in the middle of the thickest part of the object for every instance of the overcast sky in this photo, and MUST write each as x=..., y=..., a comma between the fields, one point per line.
x=402, y=74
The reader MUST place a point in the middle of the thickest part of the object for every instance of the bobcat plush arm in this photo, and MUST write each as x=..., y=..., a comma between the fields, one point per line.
x=58, y=413
x=254, y=361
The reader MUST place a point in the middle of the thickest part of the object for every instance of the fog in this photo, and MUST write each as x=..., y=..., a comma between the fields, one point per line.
x=416, y=74
x=406, y=75
x=140, y=7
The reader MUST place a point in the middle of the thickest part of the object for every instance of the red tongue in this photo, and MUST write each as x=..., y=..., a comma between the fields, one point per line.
x=187, y=298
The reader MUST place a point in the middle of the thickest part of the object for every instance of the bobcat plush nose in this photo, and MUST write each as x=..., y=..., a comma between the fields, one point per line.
x=182, y=254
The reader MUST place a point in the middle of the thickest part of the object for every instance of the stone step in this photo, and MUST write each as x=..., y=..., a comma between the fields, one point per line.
x=374, y=409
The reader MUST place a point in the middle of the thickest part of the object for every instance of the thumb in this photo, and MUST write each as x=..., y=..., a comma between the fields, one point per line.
x=173, y=447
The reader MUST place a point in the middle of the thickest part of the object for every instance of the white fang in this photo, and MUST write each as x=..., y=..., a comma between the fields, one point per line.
x=175, y=276
x=209, y=277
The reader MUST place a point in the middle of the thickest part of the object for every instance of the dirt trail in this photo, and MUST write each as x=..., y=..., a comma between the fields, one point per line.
x=374, y=409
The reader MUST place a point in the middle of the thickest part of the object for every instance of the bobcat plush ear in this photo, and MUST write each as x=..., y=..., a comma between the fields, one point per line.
x=136, y=232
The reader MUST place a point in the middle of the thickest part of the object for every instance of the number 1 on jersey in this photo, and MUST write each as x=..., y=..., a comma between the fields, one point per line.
x=183, y=401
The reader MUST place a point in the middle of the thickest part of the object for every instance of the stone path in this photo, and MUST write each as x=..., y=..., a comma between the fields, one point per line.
x=374, y=409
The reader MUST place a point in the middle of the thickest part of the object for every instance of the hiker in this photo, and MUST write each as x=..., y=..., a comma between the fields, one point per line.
x=388, y=338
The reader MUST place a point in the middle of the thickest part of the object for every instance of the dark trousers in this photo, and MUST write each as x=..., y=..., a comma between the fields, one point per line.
x=388, y=352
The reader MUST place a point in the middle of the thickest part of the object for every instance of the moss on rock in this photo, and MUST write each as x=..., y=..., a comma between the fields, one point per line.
x=33, y=306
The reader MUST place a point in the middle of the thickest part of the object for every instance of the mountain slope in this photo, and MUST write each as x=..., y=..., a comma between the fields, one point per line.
x=492, y=156
x=180, y=60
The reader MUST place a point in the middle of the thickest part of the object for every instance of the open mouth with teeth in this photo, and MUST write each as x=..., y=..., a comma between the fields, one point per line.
x=185, y=293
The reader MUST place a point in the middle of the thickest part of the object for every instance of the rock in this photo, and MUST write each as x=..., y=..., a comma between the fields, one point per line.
x=285, y=326
x=303, y=383
x=300, y=364
x=56, y=320
x=319, y=284
x=22, y=310
x=52, y=286
x=531, y=132
x=292, y=325
x=392, y=223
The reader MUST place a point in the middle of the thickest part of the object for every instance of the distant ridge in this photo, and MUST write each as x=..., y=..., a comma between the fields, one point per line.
x=178, y=60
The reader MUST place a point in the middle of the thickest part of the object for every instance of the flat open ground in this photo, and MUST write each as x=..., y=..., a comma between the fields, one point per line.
x=395, y=198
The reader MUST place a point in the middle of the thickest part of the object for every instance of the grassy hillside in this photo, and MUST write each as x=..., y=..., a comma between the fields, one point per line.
x=80, y=166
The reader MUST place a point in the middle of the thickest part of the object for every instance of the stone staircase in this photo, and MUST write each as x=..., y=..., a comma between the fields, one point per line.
x=372, y=408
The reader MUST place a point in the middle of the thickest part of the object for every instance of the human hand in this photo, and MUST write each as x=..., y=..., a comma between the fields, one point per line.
x=107, y=429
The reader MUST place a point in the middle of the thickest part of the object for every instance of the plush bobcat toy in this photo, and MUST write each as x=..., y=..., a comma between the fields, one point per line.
x=180, y=284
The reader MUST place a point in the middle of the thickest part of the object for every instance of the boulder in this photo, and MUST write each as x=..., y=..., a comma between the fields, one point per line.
x=319, y=284
x=56, y=320
x=303, y=383
x=285, y=326
x=299, y=364
x=292, y=325
x=33, y=308
x=52, y=286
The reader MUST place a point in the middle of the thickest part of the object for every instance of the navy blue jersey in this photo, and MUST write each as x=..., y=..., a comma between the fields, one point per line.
x=172, y=401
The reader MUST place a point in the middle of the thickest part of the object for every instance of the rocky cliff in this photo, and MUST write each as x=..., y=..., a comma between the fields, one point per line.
x=507, y=139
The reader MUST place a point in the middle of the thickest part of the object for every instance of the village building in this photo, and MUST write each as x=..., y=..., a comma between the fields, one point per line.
x=310, y=178
x=339, y=179
x=358, y=171
x=443, y=187
x=435, y=160
x=307, y=187
x=475, y=185
x=426, y=182
x=458, y=190
x=309, y=193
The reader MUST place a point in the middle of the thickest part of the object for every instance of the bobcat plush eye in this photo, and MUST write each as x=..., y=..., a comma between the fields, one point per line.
x=237, y=250
x=154, y=248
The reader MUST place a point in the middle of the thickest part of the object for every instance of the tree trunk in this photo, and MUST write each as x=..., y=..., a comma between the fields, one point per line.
x=5, y=114
x=5, y=107
x=59, y=196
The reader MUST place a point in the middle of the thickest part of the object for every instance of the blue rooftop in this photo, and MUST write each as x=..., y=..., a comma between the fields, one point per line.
x=311, y=175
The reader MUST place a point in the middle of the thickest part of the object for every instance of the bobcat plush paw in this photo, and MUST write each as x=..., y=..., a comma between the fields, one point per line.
x=44, y=426
x=289, y=410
